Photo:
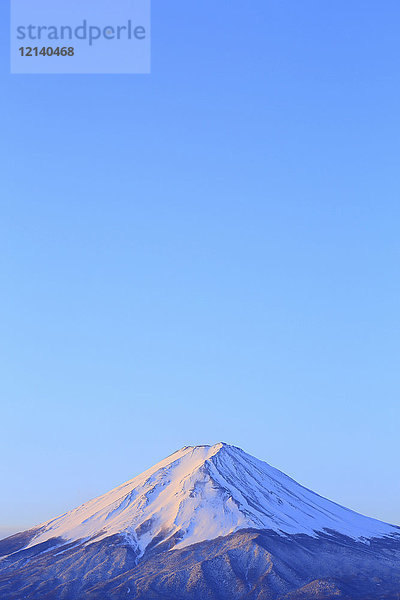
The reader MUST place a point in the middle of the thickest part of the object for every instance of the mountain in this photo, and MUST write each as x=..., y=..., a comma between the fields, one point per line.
x=208, y=522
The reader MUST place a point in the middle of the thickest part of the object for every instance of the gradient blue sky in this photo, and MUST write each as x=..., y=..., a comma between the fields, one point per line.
x=207, y=253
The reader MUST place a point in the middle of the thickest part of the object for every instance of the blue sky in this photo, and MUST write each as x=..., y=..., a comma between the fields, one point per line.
x=207, y=253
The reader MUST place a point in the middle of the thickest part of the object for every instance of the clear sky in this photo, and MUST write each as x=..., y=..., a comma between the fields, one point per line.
x=207, y=253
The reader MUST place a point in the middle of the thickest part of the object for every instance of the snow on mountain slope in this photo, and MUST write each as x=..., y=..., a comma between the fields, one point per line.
x=202, y=492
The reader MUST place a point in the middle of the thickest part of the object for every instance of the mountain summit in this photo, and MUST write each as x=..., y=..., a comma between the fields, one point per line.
x=203, y=492
x=199, y=501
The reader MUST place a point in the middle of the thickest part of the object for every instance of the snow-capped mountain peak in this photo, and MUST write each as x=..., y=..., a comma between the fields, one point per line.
x=203, y=492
